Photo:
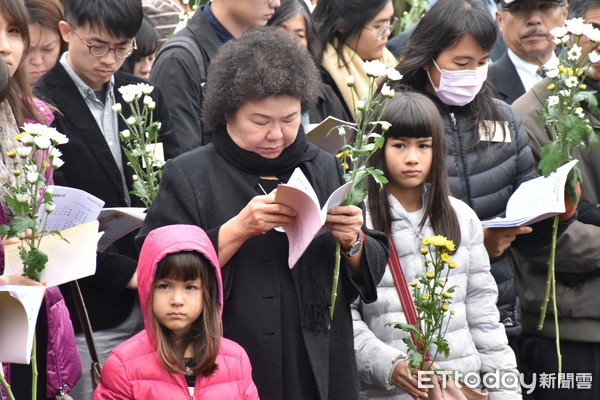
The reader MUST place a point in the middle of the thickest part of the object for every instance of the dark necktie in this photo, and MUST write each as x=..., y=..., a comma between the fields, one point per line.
x=541, y=71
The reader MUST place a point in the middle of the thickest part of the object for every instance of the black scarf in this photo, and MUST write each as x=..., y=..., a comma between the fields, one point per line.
x=250, y=162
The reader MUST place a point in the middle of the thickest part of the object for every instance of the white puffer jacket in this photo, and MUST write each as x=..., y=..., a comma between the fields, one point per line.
x=477, y=340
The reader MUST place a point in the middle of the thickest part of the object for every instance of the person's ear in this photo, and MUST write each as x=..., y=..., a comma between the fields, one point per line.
x=565, y=12
x=499, y=19
x=65, y=30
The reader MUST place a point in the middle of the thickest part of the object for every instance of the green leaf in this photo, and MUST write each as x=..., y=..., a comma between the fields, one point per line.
x=22, y=223
x=34, y=260
x=551, y=157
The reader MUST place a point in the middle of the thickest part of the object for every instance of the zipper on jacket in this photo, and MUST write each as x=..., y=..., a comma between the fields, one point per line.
x=460, y=160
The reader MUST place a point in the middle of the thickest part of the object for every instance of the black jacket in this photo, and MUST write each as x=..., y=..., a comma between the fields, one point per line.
x=201, y=188
x=484, y=174
x=90, y=166
x=176, y=73
x=503, y=75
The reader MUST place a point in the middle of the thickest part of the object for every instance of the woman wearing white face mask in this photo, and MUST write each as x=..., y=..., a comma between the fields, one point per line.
x=488, y=155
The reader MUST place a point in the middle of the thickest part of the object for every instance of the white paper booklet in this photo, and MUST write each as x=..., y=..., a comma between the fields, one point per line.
x=535, y=200
x=67, y=261
x=325, y=136
x=117, y=222
x=310, y=217
x=19, y=308
x=72, y=207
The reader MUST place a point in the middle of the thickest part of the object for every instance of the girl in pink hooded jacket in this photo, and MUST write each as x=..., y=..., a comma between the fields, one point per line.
x=181, y=354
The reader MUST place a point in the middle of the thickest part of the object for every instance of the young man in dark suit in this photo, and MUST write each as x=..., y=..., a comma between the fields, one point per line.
x=84, y=86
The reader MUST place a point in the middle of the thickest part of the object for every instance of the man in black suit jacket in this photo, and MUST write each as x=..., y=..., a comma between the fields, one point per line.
x=525, y=27
x=83, y=86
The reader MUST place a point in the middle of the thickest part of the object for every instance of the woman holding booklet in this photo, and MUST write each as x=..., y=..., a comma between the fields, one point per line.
x=488, y=155
x=257, y=89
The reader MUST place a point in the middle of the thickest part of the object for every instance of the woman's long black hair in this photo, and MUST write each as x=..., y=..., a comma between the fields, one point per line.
x=413, y=115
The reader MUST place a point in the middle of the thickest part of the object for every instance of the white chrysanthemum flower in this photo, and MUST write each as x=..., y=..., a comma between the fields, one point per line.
x=117, y=108
x=552, y=101
x=574, y=53
x=575, y=26
x=341, y=131
x=22, y=197
x=57, y=162
x=387, y=91
x=55, y=153
x=42, y=142
x=375, y=68
x=148, y=100
x=360, y=105
x=125, y=134
x=571, y=81
x=128, y=97
x=564, y=93
x=559, y=32
x=594, y=57
x=350, y=80
x=151, y=105
x=579, y=112
x=393, y=74
x=26, y=138
x=131, y=120
x=32, y=177
x=50, y=189
x=145, y=88
x=24, y=151
x=592, y=33
x=552, y=73
x=50, y=207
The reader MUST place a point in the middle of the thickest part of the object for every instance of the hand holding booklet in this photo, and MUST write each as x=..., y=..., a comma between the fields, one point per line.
x=299, y=194
x=535, y=200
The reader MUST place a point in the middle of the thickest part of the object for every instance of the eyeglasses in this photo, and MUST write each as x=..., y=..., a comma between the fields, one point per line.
x=383, y=31
x=102, y=49
x=521, y=9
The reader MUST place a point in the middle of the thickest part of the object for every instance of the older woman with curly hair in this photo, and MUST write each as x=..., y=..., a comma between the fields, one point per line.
x=257, y=89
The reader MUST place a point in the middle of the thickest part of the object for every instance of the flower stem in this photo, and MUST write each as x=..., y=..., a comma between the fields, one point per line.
x=550, y=279
x=336, y=276
x=5, y=385
x=34, y=370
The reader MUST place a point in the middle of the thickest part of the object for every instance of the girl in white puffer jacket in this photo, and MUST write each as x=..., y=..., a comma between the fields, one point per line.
x=414, y=204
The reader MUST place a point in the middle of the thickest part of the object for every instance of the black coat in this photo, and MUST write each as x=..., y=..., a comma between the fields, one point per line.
x=503, y=75
x=201, y=188
x=90, y=166
x=484, y=174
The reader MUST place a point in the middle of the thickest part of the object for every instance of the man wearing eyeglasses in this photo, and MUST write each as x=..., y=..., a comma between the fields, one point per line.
x=525, y=27
x=83, y=86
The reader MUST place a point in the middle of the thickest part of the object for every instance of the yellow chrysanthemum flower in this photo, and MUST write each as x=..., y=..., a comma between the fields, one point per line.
x=426, y=241
x=583, y=86
x=445, y=307
x=12, y=153
x=447, y=295
x=445, y=258
x=452, y=264
x=430, y=275
x=413, y=283
x=424, y=250
x=425, y=297
x=551, y=86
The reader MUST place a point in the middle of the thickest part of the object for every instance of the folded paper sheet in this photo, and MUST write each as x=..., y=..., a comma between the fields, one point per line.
x=19, y=308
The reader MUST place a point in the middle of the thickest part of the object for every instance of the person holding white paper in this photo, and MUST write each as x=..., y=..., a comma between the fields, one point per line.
x=256, y=91
x=59, y=364
x=488, y=156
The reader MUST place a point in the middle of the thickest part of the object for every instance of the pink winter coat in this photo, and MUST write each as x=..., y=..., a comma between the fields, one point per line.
x=133, y=370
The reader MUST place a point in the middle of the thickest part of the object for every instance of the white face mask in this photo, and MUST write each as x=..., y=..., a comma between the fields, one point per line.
x=458, y=88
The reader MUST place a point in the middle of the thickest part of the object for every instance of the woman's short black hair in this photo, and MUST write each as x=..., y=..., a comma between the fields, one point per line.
x=343, y=19
x=147, y=44
x=291, y=8
x=120, y=18
x=262, y=63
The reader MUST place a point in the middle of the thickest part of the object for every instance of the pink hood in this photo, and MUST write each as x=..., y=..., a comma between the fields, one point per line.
x=158, y=244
